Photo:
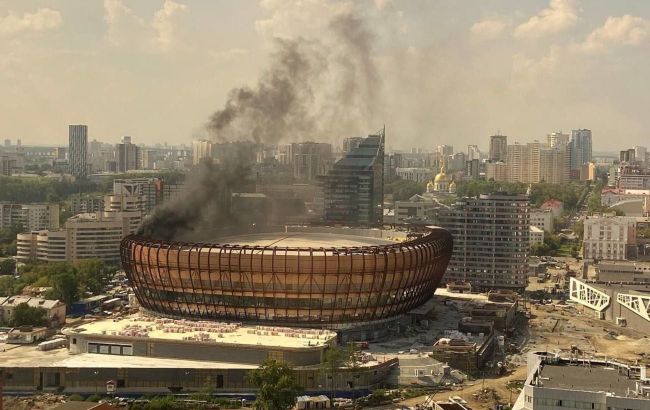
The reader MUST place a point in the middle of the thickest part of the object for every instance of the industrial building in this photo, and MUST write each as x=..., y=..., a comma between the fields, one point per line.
x=625, y=304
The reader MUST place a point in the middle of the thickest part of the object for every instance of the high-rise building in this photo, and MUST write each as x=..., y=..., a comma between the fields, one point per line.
x=351, y=143
x=128, y=155
x=78, y=150
x=353, y=189
x=498, y=147
x=491, y=241
x=641, y=154
x=445, y=150
x=579, y=151
x=308, y=159
x=557, y=138
x=8, y=164
x=473, y=153
x=496, y=171
x=534, y=162
x=201, y=149
x=7, y=143
x=627, y=156
x=472, y=168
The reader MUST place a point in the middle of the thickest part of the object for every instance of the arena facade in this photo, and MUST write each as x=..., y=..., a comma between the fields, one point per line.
x=335, y=279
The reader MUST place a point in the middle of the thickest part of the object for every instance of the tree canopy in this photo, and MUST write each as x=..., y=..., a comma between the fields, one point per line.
x=277, y=386
x=25, y=315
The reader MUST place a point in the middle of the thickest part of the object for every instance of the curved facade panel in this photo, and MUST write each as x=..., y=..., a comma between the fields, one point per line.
x=299, y=286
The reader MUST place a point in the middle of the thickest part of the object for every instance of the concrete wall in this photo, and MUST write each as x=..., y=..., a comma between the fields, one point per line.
x=201, y=351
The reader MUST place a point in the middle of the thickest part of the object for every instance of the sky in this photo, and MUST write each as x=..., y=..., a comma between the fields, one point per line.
x=433, y=71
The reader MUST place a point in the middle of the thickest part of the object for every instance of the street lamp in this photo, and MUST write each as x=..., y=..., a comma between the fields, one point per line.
x=96, y=373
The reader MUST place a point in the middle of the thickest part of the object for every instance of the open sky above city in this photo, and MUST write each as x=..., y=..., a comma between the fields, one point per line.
x=435, y=71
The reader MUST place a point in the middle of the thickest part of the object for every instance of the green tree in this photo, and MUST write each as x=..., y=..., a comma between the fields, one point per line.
x=25, y=315
x=7, y=266
x=333, y=359
x=92, y=275
x=277, y=386
x=403, y=189
x=65, y=287
x=7, y=285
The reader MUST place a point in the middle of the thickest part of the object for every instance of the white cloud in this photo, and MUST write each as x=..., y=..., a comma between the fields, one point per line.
x=125, y=28
x=558, y=17
x=624, y=30
x=164, y=23
x=40, y=20
x=298, y=18
x=489, y=29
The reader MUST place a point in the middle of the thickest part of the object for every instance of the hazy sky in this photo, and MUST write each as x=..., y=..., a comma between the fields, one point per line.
x=447, y=71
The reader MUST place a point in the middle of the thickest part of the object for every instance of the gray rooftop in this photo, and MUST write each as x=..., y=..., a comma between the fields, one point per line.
x=594, y=379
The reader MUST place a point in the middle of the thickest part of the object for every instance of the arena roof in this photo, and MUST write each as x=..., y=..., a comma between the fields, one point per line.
x=303, y=239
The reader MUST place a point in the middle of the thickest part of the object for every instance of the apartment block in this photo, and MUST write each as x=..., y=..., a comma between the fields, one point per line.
x=491, y=241
x=84, y=236
x=30, y=217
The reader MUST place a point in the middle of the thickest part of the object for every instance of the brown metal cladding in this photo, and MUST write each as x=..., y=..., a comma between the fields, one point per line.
x=300, y=286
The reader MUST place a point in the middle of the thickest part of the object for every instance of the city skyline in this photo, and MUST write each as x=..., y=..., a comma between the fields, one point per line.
x=92, y=64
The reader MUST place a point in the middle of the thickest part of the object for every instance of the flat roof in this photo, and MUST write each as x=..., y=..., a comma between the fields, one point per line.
x=304, y=239
x=586, y=378
x=141, y=327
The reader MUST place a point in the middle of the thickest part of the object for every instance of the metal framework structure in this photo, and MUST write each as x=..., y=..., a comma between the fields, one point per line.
x=301, y=286
x=639, y=304
x=587, y=295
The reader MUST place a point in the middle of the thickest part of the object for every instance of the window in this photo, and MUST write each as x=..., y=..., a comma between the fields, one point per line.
x=74, y=340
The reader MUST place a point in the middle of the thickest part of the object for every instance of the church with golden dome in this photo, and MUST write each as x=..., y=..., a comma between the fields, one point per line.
x=442, y=183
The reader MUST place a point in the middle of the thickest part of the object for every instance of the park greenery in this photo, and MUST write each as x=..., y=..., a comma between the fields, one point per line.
x=69, y=281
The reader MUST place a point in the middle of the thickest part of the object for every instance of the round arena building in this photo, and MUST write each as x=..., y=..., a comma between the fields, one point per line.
x=317, y=279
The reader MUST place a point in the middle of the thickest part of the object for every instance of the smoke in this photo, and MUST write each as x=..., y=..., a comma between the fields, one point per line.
x=313, y=89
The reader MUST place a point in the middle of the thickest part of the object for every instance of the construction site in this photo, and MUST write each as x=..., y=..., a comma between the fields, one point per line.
x=461, y=351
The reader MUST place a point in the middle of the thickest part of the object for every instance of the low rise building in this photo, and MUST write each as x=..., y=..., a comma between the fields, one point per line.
x=536, y=236
x=582, y=383
x=609, y=237
x=555, y=206
x=628, y=272
x=466, y=352
x=414, y=174
x=54, y=309
x=542, y=218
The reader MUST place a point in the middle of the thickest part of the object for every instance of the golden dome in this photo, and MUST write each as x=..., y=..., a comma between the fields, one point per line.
x=442, y=176
x=453, y=184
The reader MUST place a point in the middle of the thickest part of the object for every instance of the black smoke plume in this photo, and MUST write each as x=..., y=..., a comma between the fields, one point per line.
x=312, y=90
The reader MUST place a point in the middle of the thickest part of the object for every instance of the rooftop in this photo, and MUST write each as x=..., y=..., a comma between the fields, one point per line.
x=303, y=239
x=142, y=327
x=587, y=378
